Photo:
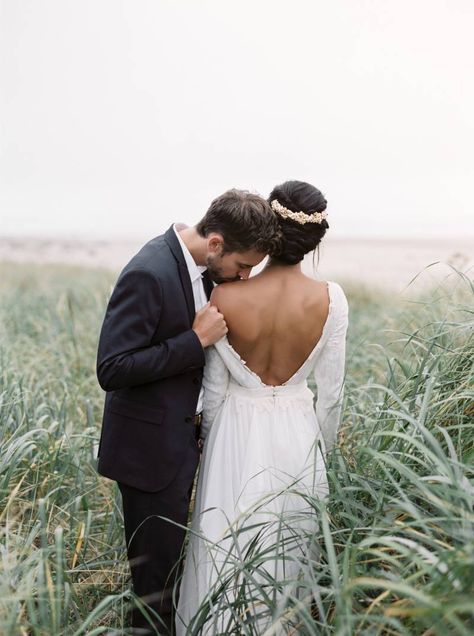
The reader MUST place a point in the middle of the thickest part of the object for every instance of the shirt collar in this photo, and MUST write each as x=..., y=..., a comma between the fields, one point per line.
x=194, y=270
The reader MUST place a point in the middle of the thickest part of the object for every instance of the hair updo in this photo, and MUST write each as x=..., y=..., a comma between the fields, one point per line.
x=298, y=239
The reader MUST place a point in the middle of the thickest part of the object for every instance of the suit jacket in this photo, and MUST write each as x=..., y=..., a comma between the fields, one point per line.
x=150, y=362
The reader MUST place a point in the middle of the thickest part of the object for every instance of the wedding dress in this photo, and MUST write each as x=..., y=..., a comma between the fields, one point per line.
x=263, y=454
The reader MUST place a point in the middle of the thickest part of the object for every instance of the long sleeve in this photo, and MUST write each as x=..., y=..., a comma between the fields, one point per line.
x=126, y=356
x=215, y=383
x=329, y=376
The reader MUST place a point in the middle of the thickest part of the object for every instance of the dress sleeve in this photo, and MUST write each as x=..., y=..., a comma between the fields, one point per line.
x=329, y=375
x=215, y=383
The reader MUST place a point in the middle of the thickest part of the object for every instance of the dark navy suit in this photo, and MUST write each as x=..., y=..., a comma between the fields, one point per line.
x=150, y=363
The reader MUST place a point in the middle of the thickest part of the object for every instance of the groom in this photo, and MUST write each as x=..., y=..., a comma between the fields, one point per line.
x=150, y=362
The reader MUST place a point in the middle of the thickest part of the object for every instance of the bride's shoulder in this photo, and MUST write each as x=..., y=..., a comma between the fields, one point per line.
x=338, y=298
x=227, y=295
x=332, y=289
x=335, y=288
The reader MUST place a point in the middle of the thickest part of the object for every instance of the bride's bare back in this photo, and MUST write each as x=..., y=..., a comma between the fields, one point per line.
x=275, y=319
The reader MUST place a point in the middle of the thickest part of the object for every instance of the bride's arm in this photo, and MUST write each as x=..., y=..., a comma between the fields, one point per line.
x=329, y=376
x=215, y=383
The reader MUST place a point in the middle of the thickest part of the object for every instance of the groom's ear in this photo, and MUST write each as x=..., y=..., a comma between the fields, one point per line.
x=215, y=242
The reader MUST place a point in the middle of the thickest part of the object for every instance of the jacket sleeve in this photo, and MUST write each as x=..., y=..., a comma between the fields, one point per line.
x=215, y=383
x=126, y=356
x=329, y=377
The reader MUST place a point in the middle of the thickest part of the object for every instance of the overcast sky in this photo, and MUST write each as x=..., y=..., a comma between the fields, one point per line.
x=118, y=117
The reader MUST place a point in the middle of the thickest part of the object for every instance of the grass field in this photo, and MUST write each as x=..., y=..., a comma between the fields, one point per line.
x=396, y=538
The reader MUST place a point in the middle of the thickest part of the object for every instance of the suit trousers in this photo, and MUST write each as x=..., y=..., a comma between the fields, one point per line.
x=154, y=545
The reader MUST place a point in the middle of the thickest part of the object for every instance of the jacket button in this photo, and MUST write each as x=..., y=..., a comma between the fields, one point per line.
x=188, y=419
x=196, y=380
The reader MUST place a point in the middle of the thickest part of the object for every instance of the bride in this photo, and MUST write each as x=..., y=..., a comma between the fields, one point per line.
x=264, y=441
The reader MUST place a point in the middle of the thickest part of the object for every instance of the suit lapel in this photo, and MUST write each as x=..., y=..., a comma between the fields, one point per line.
x=208, y=284
x=188, y=290
x=171, y=239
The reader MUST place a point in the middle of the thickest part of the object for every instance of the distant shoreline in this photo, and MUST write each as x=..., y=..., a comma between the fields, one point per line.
x=386, y=262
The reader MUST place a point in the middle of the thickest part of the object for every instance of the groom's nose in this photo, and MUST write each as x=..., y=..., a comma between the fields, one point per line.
x=244, y=273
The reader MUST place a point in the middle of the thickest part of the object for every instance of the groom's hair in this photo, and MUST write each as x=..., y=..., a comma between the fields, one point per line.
x=245, y=221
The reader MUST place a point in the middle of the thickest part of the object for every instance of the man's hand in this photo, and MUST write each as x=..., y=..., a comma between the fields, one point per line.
x=209, y=325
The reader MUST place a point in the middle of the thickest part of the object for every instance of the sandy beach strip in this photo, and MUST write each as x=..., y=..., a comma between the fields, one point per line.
x=386, y=263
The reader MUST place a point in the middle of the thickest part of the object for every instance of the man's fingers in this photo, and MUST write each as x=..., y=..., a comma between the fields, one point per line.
x=209, y=325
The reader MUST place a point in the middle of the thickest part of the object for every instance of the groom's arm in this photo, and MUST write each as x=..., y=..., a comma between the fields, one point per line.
x=126, y=356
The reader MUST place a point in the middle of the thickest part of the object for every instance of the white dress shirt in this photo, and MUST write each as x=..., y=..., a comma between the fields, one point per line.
x=195, y=274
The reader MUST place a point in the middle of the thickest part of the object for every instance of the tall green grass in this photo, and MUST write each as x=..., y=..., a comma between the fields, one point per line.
x=61, y=567
x=394, y=548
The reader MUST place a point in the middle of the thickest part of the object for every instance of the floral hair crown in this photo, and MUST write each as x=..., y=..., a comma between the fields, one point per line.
x=299, y=217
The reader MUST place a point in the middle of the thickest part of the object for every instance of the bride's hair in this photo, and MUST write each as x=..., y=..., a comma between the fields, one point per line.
x=298, y=238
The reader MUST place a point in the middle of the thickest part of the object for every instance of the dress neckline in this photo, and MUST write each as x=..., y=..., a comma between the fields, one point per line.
x=225, y=340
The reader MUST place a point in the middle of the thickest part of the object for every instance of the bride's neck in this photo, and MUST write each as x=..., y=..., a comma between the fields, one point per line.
x=274, y=265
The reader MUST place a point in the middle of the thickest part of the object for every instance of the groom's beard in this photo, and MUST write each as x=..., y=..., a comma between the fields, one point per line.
x=215, y=272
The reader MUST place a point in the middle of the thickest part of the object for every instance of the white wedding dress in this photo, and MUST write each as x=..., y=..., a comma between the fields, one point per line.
x=264, y=451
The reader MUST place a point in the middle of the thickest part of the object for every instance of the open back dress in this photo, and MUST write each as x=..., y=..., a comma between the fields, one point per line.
x=264, y=454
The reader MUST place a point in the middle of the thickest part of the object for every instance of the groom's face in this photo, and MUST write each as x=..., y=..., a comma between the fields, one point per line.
x=231, y=266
